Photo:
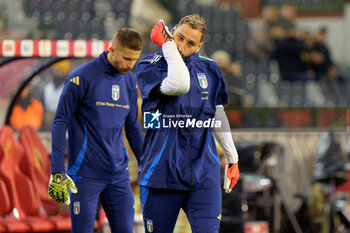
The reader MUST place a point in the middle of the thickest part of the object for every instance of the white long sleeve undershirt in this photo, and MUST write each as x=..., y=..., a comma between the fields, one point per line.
x=224, y=137
x=178, y=80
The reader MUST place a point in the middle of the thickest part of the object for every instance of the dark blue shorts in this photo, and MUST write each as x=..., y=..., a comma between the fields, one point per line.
x=116, y=198
x=161, y=207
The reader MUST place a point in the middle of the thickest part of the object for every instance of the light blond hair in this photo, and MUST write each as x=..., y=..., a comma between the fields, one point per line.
x=195, y=21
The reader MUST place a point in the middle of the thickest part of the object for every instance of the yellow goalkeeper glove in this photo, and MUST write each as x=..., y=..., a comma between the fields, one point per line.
x=58, y=187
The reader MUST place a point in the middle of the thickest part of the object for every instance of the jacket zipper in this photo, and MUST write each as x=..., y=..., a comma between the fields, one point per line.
x=189, y=146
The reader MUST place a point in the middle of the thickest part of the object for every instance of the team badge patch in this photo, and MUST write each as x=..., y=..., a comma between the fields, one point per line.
x=149, y=225
x=202, y=78
x=115, y=92
x=76, y=207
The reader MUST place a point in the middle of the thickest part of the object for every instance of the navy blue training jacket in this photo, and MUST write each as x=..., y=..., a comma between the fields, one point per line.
x=95, y=104
x=175, y=156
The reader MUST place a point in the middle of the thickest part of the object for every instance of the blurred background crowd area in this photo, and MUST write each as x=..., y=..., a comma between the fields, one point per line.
x=285, y=62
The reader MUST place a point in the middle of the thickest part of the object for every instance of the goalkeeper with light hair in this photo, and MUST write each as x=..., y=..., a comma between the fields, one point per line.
x=184, y=92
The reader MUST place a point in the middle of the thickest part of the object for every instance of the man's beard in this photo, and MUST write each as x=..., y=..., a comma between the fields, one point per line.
x=183, y=57
x=124, y=71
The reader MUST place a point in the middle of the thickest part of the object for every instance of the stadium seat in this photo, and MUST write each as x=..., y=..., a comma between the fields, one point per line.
x=8, y=224
x=36, y=165
x=18, y=187
x=297, y=94
x=8, y=149
x=283, y=89
x=4, y=198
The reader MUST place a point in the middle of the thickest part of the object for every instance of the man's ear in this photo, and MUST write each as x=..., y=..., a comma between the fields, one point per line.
x=173, y=30
x=199, y=46
x=111, y=49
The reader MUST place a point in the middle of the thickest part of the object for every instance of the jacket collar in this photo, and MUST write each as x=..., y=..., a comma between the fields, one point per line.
x=188, y=61
x=105, y=65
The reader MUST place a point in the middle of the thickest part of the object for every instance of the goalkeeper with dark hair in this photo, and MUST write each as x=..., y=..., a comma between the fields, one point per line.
x=99, y=98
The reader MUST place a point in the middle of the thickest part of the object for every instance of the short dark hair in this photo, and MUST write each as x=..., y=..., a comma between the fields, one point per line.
x=195, y=21
x=129, y=38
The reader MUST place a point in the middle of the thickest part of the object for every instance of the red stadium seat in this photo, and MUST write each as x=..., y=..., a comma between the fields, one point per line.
x=5, y=206
x=19, y=188
x=8, y=224
x=36, y=165
x=8, y=149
